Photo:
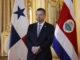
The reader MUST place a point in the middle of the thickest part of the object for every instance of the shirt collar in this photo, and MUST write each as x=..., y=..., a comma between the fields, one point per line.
x=41, y=23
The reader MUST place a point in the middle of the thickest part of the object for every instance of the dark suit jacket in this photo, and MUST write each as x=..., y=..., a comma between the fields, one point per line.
x=44, y=41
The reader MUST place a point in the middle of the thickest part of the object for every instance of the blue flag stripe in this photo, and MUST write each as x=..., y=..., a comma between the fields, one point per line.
x=59, y=50
x=14, y=37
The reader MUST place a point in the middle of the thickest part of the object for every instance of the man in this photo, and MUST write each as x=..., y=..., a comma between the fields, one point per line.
x=39, y=38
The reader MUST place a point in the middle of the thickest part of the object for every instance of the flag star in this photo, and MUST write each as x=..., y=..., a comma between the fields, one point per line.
x=19, y=12
x=72, y=0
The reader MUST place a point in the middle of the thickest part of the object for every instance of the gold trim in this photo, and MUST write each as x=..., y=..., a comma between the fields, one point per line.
x=46, y=8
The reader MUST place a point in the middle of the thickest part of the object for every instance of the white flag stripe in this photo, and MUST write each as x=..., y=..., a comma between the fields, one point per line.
x=17, y=52
x=60, y=36
x=69, y=4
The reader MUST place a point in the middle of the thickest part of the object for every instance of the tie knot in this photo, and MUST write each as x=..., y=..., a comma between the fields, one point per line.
x=39, y=24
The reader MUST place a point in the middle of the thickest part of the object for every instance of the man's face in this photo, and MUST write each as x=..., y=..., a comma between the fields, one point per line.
x=40, y=16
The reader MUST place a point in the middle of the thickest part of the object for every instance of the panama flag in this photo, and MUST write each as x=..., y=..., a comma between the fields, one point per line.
x=65, y=38
x=19, y=25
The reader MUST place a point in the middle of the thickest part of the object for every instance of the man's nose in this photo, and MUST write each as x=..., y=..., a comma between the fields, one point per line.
x=38, y=16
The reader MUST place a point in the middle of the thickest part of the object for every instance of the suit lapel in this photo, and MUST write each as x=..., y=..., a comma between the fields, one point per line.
x=35, y=31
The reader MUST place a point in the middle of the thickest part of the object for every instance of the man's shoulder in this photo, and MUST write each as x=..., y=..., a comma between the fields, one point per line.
x=48, y=24
x=32, y=24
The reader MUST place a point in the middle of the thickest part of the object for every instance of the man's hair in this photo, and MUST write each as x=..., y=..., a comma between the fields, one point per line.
x=41, y=9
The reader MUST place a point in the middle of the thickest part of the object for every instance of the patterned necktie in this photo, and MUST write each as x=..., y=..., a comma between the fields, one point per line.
x=38, y=30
